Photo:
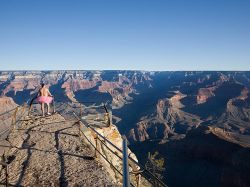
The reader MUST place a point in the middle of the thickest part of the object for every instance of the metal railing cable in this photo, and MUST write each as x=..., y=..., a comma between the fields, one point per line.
x=8, y=111
x=131, y=159
x=147, y=174
x=15, y=118
x=96, y=149
x=101, y=153
x=11, y=118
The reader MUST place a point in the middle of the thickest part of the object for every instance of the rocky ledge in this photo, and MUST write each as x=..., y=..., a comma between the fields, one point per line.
x=48, y=152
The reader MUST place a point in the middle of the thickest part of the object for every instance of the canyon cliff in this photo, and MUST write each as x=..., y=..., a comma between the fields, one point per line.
x=159, y=109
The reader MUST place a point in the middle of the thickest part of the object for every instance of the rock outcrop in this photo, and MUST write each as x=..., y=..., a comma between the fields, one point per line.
x=69, y=82
x=236, y=118
x=48, y=152
x=6, y=104
x=168, y=119
x=205, y=93
x=52, y=151
x=151, y=107
x=227, y=152
x=7, y=110
x=110, y=155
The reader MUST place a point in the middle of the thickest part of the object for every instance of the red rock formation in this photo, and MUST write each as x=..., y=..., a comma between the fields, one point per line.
x=204, y=94
x=141, y=132
x=168, y=113
x=237, y=114
x=73, y=81
x=108, y=86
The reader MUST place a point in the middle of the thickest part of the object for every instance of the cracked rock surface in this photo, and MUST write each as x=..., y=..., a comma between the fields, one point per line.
x=48, y=152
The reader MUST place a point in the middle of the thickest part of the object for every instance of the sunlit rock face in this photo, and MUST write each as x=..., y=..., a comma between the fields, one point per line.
x=168, y=114
x=173, y=102
x=204, y=94
x=118, y=84
x=112, y=134
x=6, y=104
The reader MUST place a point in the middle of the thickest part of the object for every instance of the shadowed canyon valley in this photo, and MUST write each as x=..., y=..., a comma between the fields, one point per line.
x=199, y=122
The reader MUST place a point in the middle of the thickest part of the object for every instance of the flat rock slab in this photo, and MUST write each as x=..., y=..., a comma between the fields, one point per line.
x=4, y=146
x=48, y=152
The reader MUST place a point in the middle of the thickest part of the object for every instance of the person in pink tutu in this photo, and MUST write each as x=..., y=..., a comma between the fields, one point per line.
x=45, y=97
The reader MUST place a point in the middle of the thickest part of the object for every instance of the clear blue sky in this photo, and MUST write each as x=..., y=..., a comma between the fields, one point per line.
x=125, y=34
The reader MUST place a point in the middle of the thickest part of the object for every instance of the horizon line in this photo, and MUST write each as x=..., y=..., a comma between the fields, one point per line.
x=21, y=70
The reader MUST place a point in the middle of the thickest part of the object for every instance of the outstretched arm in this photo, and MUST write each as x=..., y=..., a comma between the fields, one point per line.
x=50, y=94
x=38, y=93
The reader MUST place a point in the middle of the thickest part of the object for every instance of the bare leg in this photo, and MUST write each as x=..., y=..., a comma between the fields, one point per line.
x=48, y=108
x=42, y=105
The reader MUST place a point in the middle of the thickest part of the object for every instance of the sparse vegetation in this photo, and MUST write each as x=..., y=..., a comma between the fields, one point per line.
x=155, y=164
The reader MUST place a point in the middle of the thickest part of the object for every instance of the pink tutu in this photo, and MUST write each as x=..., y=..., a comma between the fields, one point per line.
x=44, y=99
